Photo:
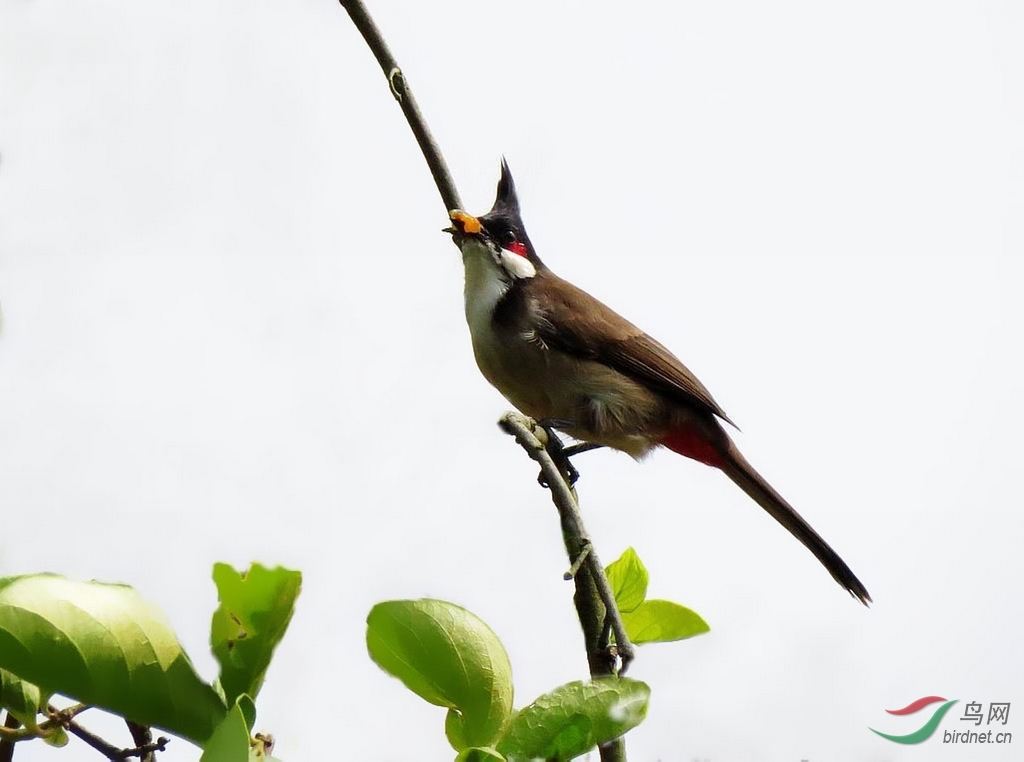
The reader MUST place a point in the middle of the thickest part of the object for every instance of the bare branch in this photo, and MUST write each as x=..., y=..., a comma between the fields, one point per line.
x=594, y=599
x=65, y=718
x=108, y=750
x=578, y=542
x=400, y=89
x=143, y=738
x=595, y=602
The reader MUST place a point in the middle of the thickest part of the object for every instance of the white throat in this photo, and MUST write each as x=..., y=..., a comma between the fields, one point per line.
x=488, y=280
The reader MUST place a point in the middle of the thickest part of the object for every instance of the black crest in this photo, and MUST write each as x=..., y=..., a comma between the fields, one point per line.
x=504, y=222
x=506, y=202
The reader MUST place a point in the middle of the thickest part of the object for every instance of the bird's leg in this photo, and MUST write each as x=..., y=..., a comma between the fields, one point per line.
x=579, y=447
x=560, y=452
x=556, y=447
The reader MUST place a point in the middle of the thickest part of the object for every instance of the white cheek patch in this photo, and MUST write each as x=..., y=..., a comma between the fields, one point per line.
x=518, y=266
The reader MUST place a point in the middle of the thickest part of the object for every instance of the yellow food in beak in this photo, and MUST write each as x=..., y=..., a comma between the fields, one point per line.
x=466, y=223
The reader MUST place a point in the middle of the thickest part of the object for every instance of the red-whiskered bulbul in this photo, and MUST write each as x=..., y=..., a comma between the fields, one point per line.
x=565, y=359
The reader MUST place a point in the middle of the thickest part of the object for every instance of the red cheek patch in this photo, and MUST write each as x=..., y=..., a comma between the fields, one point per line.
x=517, y=247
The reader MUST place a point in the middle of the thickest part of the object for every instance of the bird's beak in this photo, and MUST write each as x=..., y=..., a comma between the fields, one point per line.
x=463, y=223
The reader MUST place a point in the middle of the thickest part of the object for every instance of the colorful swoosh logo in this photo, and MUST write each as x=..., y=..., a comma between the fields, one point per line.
x=915, y=706
x=928, y=728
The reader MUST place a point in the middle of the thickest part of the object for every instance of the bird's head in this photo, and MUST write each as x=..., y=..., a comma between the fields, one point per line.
x=499, y=234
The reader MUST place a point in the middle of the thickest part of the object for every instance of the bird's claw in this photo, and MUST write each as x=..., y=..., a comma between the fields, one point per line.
x=560, y=453
x=571, y=475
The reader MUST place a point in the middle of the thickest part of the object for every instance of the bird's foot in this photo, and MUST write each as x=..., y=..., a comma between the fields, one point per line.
x=556, y=448
x=561, y=453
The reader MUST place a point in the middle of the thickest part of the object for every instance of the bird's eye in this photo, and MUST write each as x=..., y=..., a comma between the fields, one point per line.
x=509, y=236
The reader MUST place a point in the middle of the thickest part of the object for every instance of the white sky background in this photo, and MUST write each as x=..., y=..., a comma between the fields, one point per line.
x=234, y=332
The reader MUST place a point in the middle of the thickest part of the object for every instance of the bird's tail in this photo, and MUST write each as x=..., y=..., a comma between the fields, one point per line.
x=740, y=471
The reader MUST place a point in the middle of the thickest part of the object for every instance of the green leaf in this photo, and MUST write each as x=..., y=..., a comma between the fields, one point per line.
x=103, y=645
x=628, y=577
x=255, y=608
x=657, y=621
x=449, y=657
x=574, y=718
x=57, y=737
x=23, y=700
x=230, y=740
x=248, y=710
x=479, y=754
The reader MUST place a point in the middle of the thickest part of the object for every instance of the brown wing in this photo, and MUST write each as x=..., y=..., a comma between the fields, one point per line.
x=573, y=321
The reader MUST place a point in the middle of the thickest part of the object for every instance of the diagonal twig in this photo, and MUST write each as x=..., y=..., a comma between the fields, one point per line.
x=400, y=89
x=595, y=602
x=572, y=522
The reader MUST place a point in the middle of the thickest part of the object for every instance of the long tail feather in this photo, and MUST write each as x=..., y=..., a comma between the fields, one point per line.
x=743, y=474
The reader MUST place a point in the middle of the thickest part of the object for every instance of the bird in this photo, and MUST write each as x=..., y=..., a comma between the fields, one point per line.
x=573, y=364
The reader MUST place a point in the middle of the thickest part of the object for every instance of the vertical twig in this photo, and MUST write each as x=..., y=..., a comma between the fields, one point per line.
x=7, y=746
x=595, y=602
x=594, y=599
x=591, y=574
x=143, y=737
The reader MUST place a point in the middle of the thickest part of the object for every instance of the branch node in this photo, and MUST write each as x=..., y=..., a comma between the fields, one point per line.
x=406, y=101
x=397, y=83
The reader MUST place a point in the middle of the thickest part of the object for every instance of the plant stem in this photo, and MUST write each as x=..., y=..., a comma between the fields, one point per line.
x=594, y=599
x=595, y=602
x=7, y=745
x=591, y=583
x=403, y=94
